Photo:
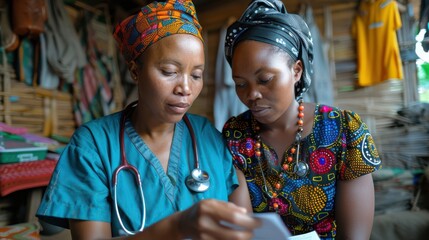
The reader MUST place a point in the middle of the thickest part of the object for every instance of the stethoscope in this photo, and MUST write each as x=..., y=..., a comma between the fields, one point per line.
x=198, y=181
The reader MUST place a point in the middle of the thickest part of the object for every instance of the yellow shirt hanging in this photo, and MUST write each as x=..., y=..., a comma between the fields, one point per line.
x=374, y=28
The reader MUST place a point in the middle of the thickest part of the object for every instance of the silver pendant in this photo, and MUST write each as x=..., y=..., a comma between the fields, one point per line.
x=300, y=169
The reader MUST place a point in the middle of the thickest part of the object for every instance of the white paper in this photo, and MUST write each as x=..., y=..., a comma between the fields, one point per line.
x=306, y=236
x=273, y=228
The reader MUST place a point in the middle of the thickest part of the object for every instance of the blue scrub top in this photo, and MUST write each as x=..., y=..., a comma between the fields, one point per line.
x=81, y=186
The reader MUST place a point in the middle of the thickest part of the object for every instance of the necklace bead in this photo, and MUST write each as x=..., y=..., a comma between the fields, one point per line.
x=285, y=166
x=298, y=168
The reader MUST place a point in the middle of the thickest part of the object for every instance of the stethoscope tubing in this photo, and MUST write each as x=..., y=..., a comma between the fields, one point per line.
x=126, y=166
x=118, y=215
x=197, y=181
x=194, y=142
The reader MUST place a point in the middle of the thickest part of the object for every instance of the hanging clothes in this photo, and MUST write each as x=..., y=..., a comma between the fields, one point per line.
x=26, y=56
x=321, y=89
x=64, y=51
x=48, y=79
x=93, y=86
x=226, y=102
x=374, y=28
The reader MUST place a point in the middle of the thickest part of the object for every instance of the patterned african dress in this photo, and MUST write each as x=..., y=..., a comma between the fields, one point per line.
x=340, y=147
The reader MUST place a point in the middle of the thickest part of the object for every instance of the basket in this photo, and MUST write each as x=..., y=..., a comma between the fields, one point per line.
x=40, y=111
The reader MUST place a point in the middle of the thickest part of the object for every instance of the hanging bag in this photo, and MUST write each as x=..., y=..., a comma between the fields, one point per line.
x=28, y=17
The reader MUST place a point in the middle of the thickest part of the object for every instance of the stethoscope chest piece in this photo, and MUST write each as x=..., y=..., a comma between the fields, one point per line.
x=301, y=169
x=198, y=180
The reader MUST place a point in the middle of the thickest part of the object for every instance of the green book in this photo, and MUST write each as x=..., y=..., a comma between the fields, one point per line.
x=14, y=151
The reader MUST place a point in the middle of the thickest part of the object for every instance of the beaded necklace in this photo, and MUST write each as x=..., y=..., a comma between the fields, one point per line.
x=298, y=168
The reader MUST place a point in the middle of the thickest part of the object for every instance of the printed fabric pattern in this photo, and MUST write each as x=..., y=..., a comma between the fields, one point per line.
x=340, y=147
x=154, y=22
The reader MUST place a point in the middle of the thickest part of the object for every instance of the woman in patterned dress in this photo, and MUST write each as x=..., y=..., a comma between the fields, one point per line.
x=308, y=162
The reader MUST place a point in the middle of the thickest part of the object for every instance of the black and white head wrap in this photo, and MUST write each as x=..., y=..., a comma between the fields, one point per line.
x=267, y=21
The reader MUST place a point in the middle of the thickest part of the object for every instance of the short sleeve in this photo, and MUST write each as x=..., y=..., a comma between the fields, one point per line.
x=361, y=156
x=231, y=176
x=397, y=23
x=83, y=191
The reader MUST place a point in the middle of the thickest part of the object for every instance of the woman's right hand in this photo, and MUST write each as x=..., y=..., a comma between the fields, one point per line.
x=206, y=220
x=213, y=219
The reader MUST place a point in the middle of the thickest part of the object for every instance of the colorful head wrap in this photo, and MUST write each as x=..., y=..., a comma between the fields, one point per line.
x=155, y=21
x=267, y=21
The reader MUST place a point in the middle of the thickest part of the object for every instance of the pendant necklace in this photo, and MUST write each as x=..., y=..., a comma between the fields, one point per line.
x=289, y=166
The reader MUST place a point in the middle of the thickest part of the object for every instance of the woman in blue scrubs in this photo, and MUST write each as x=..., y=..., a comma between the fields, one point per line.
x=163, y=47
